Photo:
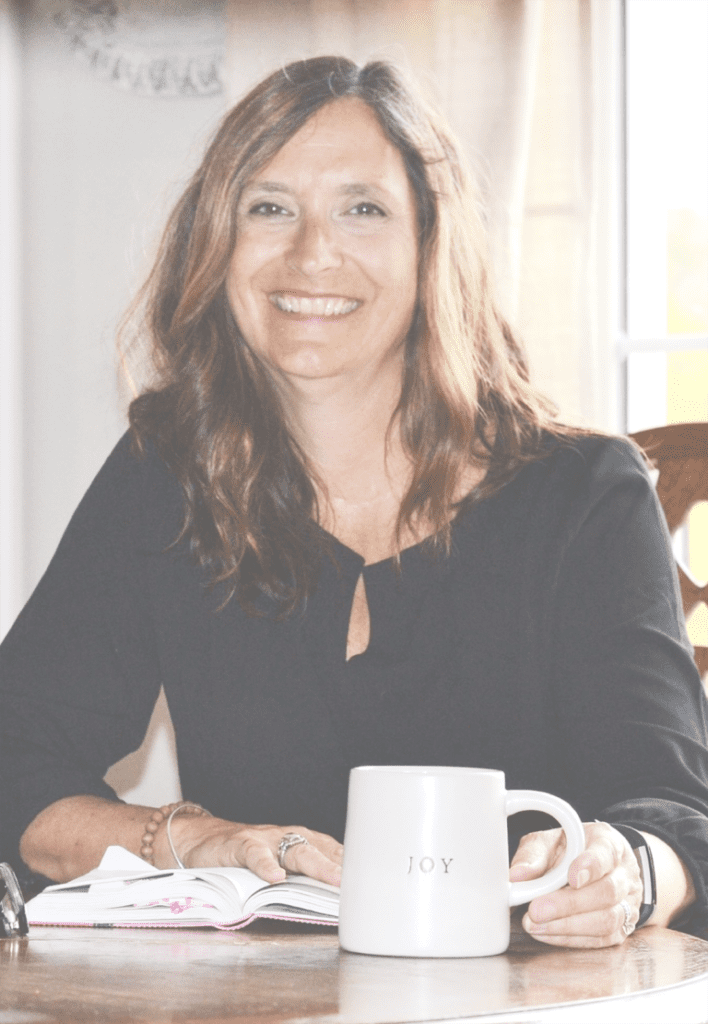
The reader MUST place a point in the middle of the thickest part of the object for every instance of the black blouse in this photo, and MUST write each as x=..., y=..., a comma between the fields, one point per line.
x=549, y=644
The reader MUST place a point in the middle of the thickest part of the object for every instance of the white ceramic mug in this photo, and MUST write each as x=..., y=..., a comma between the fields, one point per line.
x=426, y=861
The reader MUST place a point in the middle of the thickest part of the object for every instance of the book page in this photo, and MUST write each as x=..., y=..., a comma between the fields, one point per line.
x=125, y=889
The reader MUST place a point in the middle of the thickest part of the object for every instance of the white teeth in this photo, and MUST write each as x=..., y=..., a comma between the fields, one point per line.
x=328, y=306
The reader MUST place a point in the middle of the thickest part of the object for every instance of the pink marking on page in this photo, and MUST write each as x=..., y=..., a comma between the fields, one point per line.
x=178, y=906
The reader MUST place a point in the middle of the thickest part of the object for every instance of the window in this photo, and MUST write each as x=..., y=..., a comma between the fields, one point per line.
x=666, y=317
x=664, y=345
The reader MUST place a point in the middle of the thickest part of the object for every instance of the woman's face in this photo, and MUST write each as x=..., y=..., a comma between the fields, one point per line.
x=323, y=277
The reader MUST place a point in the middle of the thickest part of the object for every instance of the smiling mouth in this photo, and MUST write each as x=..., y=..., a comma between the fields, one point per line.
x=320, y=305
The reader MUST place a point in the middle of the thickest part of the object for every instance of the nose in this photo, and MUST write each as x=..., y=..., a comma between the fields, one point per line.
x=314, y=247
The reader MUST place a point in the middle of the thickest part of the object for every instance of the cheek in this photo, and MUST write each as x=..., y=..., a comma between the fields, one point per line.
x=245, y=312
x=393, y=265
x=240, y=283
x=402, y=259
x=403, y=276
x=253, y=253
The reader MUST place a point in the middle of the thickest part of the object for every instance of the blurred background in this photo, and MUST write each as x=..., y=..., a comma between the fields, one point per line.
x=586, y=122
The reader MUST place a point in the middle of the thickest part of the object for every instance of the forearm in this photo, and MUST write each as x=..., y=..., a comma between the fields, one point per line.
x=70, y=836
x=675, y=891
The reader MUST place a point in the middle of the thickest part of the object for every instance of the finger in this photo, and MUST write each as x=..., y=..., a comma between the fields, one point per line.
x=597, y=928
x=580, y=941
x=337, y=853
x=256, y=855
x=605, y=849
x=601, y=895
x=535, y=854
x=325, y=866
x=307, y=859
x=329, y=846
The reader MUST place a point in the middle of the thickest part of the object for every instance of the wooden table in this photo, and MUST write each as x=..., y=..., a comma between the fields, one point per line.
x=292, y=974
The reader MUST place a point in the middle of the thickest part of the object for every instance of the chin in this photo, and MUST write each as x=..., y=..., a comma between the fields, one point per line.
x=312, y=369
x=306, y=362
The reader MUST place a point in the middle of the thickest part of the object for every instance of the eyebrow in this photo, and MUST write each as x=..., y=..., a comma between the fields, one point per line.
x=360, y=189
x=353, y=189
x=265, y=186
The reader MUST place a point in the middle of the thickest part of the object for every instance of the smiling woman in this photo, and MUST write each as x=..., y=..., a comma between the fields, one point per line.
x=330, y=182
x=345, y=529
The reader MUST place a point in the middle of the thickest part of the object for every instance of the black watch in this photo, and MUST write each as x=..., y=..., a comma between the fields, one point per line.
x=642, y=851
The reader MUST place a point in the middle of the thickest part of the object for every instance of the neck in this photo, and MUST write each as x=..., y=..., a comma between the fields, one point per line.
x=343, y=427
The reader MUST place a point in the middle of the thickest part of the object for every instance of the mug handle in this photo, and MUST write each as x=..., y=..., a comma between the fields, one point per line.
x=532, y=800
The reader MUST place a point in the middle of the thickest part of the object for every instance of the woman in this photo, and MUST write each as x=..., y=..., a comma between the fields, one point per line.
x=344, y=529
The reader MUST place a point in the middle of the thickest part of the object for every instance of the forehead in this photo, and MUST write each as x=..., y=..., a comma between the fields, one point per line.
x=344, y=142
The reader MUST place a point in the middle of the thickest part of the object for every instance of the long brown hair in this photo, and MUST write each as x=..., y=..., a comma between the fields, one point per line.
x=212, y=410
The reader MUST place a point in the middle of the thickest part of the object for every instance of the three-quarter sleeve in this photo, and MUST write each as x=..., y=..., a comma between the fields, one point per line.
x=631, y=713
x=79, y=671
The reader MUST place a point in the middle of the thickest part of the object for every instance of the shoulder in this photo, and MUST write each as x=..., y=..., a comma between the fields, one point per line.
x=133, y=493
x=596, y=487
x=579, y=481
x=594, y=456
x=587, y=467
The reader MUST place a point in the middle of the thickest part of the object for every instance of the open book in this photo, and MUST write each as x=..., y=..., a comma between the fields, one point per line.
x=125, y=891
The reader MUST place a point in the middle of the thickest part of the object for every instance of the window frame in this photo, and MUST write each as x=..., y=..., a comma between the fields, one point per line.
x=628, y=343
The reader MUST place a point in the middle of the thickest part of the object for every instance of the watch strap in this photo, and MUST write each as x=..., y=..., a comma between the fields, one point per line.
x=642, y=852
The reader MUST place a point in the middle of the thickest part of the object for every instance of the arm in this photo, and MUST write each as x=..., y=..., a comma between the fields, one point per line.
x=80, y=673
x=79, y=670
x=68, y=838
x=630, y=711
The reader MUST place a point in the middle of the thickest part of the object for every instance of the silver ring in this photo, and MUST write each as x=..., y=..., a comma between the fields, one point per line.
x=627, y=926
x=288, y=840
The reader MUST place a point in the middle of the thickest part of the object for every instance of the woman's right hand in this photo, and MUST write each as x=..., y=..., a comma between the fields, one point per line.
x=214, y=842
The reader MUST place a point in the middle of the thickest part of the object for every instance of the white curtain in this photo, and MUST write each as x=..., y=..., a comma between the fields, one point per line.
x=11, y=526
x=531, y=88
x=567, y=263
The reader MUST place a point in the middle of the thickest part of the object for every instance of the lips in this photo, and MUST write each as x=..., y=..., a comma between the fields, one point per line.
x=316, y=305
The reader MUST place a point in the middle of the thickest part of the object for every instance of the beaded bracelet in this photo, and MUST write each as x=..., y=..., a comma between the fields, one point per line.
x=156, y=819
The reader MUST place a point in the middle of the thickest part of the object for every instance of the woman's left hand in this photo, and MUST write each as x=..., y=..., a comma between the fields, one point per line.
x=588, y=912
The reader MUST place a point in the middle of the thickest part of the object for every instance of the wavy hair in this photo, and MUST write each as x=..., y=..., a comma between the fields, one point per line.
x=212, y=409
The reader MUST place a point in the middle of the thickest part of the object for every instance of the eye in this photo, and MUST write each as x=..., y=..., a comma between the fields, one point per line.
x=367, y=209
x=267, y=209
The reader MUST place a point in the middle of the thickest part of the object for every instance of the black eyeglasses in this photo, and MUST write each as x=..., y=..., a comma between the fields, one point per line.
x=13, y=919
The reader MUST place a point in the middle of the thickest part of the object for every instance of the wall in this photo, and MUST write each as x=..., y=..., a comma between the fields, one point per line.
x=100, y=167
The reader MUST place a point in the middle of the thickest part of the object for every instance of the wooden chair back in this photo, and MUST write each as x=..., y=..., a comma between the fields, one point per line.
x=680, y=453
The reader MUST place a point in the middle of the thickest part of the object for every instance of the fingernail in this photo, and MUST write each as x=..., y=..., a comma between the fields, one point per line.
x=583, y=878
x=533, y=927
